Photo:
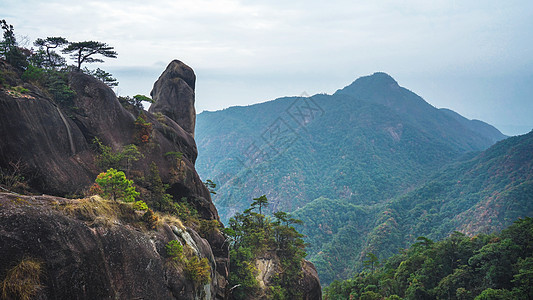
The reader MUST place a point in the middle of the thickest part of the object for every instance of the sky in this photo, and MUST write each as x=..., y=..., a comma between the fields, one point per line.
x=474, y=57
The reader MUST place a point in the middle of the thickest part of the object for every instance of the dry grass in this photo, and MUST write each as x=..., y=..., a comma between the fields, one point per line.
x=92, y=209
x=99, y=211
x=170, y=220
x=23, y=281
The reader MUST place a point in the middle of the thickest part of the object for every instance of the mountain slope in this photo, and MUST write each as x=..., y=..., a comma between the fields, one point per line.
x=345, y=155
x=382, y=89
x=482, y=193
x=365, y=143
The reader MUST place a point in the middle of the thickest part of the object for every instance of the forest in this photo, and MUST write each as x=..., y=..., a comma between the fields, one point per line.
x=485, y=266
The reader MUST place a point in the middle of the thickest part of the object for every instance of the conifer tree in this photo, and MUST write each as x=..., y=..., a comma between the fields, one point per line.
x=82, y=52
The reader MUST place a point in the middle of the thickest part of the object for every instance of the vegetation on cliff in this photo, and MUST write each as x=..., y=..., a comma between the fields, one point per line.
x=494, y=266
x=93, y=248
x=23, y=281
x=257, y=236
x=45, y=66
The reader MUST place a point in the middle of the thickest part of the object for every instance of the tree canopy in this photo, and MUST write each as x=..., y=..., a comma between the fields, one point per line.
x=115, y=185
x=53, y=59
x=254, y=234
x=458, y=267
x=82, y=52
x=9, y=47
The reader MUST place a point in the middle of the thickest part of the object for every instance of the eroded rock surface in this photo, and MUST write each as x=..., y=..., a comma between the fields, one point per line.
x=82, y=259
x=269, y=266
x=173, y=94
x=55, y=143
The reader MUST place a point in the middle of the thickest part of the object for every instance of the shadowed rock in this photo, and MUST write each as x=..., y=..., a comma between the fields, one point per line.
x=54, y=142
x=83, y=259
x=173, y=94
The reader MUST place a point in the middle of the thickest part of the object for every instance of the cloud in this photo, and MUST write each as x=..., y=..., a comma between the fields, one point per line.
x=249, y=50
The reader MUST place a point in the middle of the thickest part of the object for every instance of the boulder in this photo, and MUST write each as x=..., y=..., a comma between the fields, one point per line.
x=310, y=282
x=173, y=95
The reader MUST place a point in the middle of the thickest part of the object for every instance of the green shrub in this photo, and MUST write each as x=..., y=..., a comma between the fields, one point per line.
x=58, y=87
x=33, y=74
x=175, y=250
x=20, y=89
x=207, y=227
x=494, y=294
x=186, y=211
x=198, y=270
x=140, y=205
x=106, y=158
x=278, y=293
x=115, y=185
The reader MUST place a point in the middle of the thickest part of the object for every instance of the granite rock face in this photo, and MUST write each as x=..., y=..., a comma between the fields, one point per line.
x=55, y=143
x=173, y=94
x=310, y=282
x=84, y=259
x=116, y=259
x=269, y=265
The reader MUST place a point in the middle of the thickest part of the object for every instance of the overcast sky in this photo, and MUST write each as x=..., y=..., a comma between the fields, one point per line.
x=475, y=57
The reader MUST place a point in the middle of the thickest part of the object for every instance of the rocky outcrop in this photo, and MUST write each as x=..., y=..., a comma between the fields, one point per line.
x=55, y=142
x=102, y=257
x=310, y=282
x=52, y=148
x=173, y=94
x=85, y=258
x=98, y=112
x=269, y=266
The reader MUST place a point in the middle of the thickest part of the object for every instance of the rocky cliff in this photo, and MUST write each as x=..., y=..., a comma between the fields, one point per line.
x=50, y=144
x=55, y=141
x=177, y=82
x=87, y=251
x=269, y=266
x=88, y=247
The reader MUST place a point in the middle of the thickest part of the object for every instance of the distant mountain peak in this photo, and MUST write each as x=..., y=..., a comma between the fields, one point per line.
x=380, y=76
x=378, y=80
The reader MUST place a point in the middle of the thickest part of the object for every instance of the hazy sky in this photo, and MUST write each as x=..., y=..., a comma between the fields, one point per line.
x=475, y=57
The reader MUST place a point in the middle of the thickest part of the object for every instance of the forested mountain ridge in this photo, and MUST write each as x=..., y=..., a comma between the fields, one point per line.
x=478, y=195
x=368, y=142
x=336, y=161
x=481, y=193
x=495, y=266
